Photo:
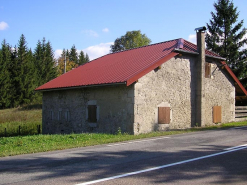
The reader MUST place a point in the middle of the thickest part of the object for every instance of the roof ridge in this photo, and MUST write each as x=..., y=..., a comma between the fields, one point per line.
x=136, y=48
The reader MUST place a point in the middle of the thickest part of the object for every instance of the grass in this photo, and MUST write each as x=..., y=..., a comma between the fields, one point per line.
x=27, y=117
x=40, y=143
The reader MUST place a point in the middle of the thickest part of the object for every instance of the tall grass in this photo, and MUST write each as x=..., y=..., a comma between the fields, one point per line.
x=20, y=121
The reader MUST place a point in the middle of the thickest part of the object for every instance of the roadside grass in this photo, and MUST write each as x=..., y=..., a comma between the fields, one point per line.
x=10, y=146
x=27, y=117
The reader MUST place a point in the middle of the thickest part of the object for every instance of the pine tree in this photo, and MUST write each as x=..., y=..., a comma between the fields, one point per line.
x=82, y=58
x=73, y=56
x=50, y=63
x=14, y=72
x=39, y=64
x=44, y=62
x=87, y=58
x=226, y=37
x=24, y=86
x=5, y=76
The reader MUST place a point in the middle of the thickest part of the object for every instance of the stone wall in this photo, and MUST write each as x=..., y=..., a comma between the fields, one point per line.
x=65, y=111
x=174, y=85
x=169, y=85
x=219, y=91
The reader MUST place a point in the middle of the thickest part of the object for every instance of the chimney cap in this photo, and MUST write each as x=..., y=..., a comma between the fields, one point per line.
x=200, y=29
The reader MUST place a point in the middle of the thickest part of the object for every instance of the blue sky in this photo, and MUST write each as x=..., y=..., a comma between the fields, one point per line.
x=93, y=25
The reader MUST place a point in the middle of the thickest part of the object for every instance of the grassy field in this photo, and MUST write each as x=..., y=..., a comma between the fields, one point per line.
x=29, y=117
x=40, y=143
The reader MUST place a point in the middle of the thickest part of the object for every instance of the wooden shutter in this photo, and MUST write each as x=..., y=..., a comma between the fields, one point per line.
x=217, y=114
x=207, y=70
x=92, y=113
x=163, y=115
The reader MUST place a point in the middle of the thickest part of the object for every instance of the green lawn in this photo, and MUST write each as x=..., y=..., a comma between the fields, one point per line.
x=41, y=143
x=28, y=118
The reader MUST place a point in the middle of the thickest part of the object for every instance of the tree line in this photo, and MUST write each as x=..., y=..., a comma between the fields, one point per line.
x=22, y=70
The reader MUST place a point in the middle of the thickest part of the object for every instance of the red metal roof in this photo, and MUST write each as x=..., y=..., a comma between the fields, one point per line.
x=121, y=67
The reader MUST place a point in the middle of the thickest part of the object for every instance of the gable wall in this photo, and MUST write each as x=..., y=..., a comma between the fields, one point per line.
x=171, y=86
x=219, y=91
x=114, y=104
x=174, y=86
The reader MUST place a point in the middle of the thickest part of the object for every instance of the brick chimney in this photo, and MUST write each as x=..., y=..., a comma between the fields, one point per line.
x=200, y=76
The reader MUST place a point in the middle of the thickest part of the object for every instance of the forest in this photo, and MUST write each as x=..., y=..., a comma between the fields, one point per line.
x=23, y=70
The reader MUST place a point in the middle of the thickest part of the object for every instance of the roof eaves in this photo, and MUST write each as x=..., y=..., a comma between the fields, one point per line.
x=79, y=87
x=150, y=68
x=234, y=77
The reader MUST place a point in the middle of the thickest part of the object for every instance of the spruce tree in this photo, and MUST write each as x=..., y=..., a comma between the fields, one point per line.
x=87, y=58
x=44, y=62
x=5, y=76
x=82, y=59
x=23, y=85
x=50, y=63
x=73, y=56
x=226, y=37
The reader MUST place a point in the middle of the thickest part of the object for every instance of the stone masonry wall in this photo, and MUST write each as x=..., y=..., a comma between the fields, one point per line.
x=219, y=91
x=65, y=111
x=170, y=85
x=174, y=85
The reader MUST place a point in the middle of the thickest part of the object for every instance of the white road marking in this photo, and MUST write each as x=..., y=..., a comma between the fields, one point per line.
x=240, y=146
x=138, y=141
x=163, y=166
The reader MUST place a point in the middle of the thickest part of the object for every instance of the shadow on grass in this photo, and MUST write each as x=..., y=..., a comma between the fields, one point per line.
x=90, y=163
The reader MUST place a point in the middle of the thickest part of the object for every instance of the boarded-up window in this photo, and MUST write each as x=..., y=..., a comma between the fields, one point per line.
x=217, y=114
x=92, y=113
x=163, y=115
x=207, y=70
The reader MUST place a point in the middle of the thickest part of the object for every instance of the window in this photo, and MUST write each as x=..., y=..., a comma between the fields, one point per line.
x=217, y=114
x=207, y=70
x=92, y=113
x=51, y=115
x=163, y=115
x=67, y=115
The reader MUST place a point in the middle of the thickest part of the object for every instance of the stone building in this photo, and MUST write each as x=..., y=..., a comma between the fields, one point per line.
x=170, y=85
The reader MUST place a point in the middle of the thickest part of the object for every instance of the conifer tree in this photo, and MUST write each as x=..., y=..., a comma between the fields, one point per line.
x=82, y=58
x=5, y=76
x=73, y=56
x=226, y=37
x=23, y=73
x=87, y=58
x=44, y=62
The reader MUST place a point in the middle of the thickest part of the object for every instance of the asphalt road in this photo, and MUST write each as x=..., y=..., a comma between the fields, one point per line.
x=208, y=157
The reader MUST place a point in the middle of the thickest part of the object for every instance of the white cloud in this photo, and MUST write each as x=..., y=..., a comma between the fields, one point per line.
x=58, y=53
x=99, y=50
x=105, y=30
x=90, y=33
x=3, y=25
x=192, y=38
